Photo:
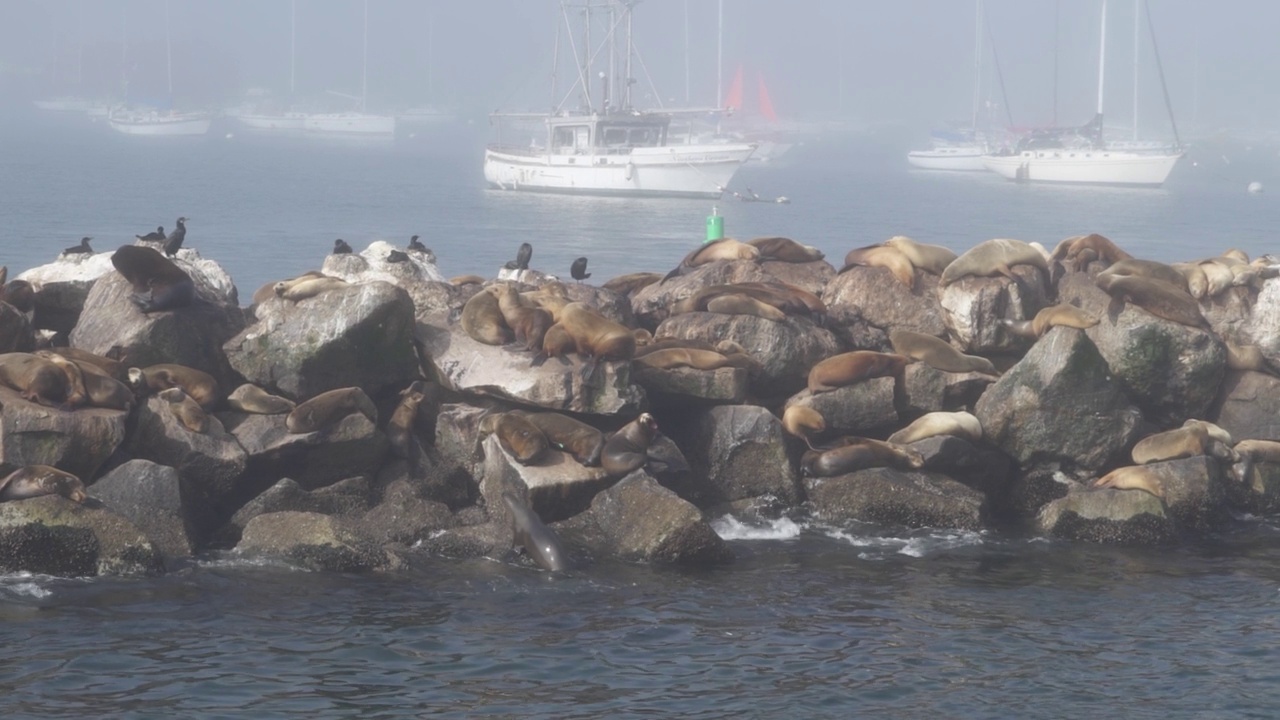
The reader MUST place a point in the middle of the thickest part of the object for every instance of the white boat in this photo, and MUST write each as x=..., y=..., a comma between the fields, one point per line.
x=272, y=121
x=614, y=149
x=64, y=104
x=953, y=157
x=961, y=151
x=1082, y=155
x=349, y=123
x=153, y=122
x=622, y=154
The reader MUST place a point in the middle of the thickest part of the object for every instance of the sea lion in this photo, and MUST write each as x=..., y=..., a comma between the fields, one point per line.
x=1161, y=299
x=858, y=454
x=890, y=258
x=595, y=335
x=111, y=367
x=158, y=283
x=400, y=427
x=803, y=422
x=1247, y=357
x=517, y=435
x=785, y=250
x=627, y=449
x=529, y=324
x=722, y=249
x=739, y=304
x=678, y=357
x=960, y=424
x=930, y=258
x=539, y=541
x=632, y=282
x=482, y=320
x=551, y=296
x=268, y=290
x=104, y=391
x=1218, y=277
x=328, y=408
x=460, y=280
x=1080, y=250
x=1236, y=254
x=249, y=398
x=993, y=257
x=76, y=393
x=643, y=337
x=938, y=353
x=1182, y=442
x=308, y=287
x=1216, y=432
x=37, y=379
x=199, y=384
x=1249, y=452
x=39, y=480
x=562, y=432
x=20, y=294
x=185, y=409
x=853, y=367
x=1136, y=267
x=1053, y=316
x=1132, y=477
x=787, y=298
x=556, y=342
x=1197, y=281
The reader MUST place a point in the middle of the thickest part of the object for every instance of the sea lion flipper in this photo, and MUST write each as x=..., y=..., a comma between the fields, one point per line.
x=588, y=371
x=1006, y=271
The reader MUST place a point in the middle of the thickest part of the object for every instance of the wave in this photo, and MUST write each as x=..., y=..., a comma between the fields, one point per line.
x=730, y=528
x=918, y=544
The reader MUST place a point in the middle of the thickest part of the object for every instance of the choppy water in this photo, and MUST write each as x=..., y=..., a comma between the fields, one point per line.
x=809, y=622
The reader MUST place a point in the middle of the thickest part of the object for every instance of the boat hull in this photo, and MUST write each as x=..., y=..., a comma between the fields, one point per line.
x=676, y=171
x=286, y=121
x=161, y=125
x=350, y=124
x=959, y=159
x=1093, y=167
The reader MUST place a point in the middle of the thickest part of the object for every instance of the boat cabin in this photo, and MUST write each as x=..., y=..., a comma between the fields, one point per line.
x=597, y=135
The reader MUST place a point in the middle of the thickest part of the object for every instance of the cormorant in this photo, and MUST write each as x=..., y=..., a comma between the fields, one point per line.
x=81, y=249
x=157, y=236
x=578, y=270
x=340, y=247
x=523, y=255
x=414, y=244
x=173, y=243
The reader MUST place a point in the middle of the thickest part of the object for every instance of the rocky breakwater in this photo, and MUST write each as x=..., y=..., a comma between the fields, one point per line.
x=368, y=411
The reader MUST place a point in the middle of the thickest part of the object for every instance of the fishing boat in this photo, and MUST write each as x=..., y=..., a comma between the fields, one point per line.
x=1082, y=155
x=610, y=148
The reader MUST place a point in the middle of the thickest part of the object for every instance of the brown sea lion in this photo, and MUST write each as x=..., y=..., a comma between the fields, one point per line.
x=249, y=398
x=1247, y=357
x=1162, y=299
x=678, y=357
x=158, y=283
x=930, y=258
x=960, y=424
x=199, y=384
x=400, y=427
x=938, y=353
x=529, y=324
x=519, y=437
x=1132, y=477
x=632, y=283
x=643, y=337
x=1136, y=267
x=557, y=342
x=540, y=542
x=722, y=249
x=114, y=368
x=185, y=409
x=562, y=432
x=1080, y=250
x=739, y=304
x=803, y=422
x=39, y=480
x=328, y=408
x=858, y=454
x=595, y=335
x=1182, y=442
x=303, y=288
x=103, y=390
x=268, y=291
x=890, y=258
x=785, y=250
x=627, y=450
x=460, y=280
x=853, y=367
x=795, y=297
x=76, y=393
x=37, y=379
x=482, y=320
x=1215, y=431
x=20, y=294
x=993, y=257
x=1249, y=452
x=1053, y=316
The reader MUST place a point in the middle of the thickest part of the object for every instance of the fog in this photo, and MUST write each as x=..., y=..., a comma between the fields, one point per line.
x=908, y=62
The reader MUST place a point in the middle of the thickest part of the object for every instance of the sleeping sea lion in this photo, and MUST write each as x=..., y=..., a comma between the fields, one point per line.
x=595, y=335
x=1136, y=267
x=39, y=480
x=739, y=304
x=1132, y=477
x=37, y=379
x=785, y=250
x=678, y=357
x=930, y=258
x=627, y=449
x=482, y=320
x=519, y=437
x=185, y=409
x=938, y=353
x=1181, y=442
x=198, y=384
x=460, y=280
x=76, y=393
x=268, y=291
x=562, y=432
x=1162, y=299
x=890, y=258
x=858, y=454
x=853, y=367
x=114, y=368
x=993, y=257
x=249, y=398
x=960, y=424
x=328, y=408
x=632, y=283
x=308, y=287
x=1054, y=316
x=722, y=249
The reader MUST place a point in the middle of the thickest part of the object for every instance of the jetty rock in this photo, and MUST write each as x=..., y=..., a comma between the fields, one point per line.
x=52, y=535
x=16, y=333
x=685, y=386
x=557, y=486
x=62, y=287
x=1248, y=405
x=372, y=263
x=360, y=335
x=312, y=541
x=972, y=308
x=78, y=441
x=863, y=408
x=652, y=304
x=152, y=497
x=883, y=495
x=740, y=452
x=871, y=295
x=346, y=498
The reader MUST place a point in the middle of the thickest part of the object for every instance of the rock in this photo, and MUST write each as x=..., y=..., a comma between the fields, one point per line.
x=741, y=452
x=785, y=350
x=361, y=336
x=1060, y=404
x=150, y=496
x=1172, y=372
x=610, y=304
x=680, y=386
x=810, y=276
x=884, y=495
x=349, y=497
x=61, y=288
x=926, y=389
x=872, y=295
x=1248, y=406
x=1258, y=492
x=467, y=366
x=16, y=334
x=375, y=267
x=78, y=442
x=456, y=459
x=639, y=520
x=1262, y=328
x=1195, y=493
x=404, y=517
x=1129, y=517
x=972, y=307
x=354, y=446
x=51, y=535
x=857, y=409
x=213, y=284
x=558, y=486
x=982, y=468
x=652, y=304
x=191, y=336
x=312, y=541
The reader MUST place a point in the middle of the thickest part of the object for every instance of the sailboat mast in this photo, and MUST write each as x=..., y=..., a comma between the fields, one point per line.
x=627, y=64
x=720, y=54
x=364, y=64
x=1102, y=55
x=168, y=49
x=977, y=62
x=293, y=22
x=686, y=52
x=1137, y=27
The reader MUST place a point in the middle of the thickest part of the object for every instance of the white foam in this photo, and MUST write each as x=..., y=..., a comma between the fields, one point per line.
x=25, y=583
x=928, y=542
x=731, y=528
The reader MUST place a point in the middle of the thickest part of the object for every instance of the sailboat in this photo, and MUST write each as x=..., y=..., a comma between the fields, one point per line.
x=958, y=150
x=1081, y=155
x=257, y=117
x=355, y=122
x=611, y=148
x=160, y=122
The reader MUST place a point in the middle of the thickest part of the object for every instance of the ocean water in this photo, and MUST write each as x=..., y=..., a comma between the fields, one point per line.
x=810, y=621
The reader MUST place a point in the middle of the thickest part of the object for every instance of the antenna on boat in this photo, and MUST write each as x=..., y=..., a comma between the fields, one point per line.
x=1164, y=87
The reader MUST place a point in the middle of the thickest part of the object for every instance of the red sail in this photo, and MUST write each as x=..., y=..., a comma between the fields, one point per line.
x=734, y=98
x=766, y=105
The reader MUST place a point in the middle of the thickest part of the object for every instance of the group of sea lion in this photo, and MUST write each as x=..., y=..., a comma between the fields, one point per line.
x=528, y=436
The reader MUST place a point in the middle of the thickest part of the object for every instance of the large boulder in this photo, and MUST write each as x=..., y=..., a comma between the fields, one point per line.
x=1248, y=406
x=352, y=446
x=926, y=389
x=348, y=497
x=557, y=487
x=78, y=441
x=652, y=304
x=150, y=496
x=312, y=541
x=1059, y=404
x=52, y=535
x=1124, y=517
x=1262, y=327
x=973, y=306
x=884, y=495
x=62, y=286
x=373, y=263
x=404, y=517
x=810, y=276
x=741, y=452
x=682, y=386
x=16, y=334
x=360, y=335
x=474, y=368
x=872, y=295
x=859, y=409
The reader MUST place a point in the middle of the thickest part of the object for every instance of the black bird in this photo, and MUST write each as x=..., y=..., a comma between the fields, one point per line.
x=173, y=243
x=523, y=255
x=81, y=249
x=578, y=270
x=414, y=244
x=340, y=247
x=157, y=236
x=395, y=256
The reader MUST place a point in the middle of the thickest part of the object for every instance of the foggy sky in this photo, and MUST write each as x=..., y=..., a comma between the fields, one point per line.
x=905, y=62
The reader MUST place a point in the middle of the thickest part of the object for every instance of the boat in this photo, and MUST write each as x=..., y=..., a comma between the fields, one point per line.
x=1082, y=155
x=156, y=122
x=958, y=151
x=272, y=120
x=349, y=123
x=612, y=149
x=64, y=104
